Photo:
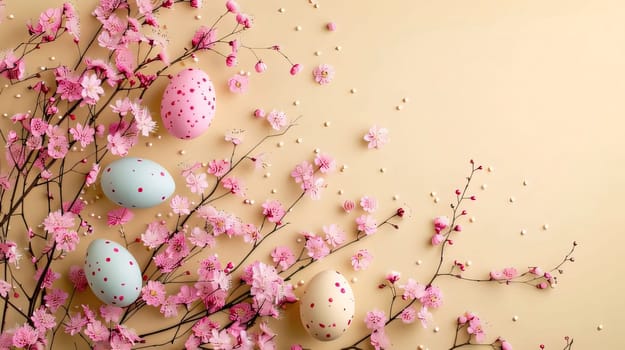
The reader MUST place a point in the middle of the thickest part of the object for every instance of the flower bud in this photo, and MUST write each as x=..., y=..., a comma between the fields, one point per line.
x=296, y=68
x=260, y=67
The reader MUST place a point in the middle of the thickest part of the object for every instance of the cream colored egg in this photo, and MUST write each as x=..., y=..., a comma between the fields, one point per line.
x=327, y=306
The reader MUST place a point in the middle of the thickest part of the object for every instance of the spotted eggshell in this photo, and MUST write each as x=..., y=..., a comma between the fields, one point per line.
x=327, y=306
x=136, y=183
x=112, y=272
x=188, y=104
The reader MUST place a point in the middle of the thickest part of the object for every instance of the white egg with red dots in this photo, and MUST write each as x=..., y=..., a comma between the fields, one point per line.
x=136, y=183
x=327, y=306
x=112, y=272
x=188, y=104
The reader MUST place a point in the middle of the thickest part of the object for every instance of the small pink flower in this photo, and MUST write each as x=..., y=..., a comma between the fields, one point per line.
x=542, y=285
x=196, y=183
x=54, y=299
x=155, y=235
x=232, y=6
x=392, y=277
x=440, y=223
x=432, y=298
x=325, y=163
x=260, y=67
x=239, y=83
x=505, y=345
x=75, y=324
x=153, y=293
x=78, y=278
x=277, y=119
x=234, y=185
x=273, y=211
x=231, y=60
x=25, y=336
x=259, y=113
x=204, y=38
x=367, y=224
x=92, y=175
x=283, y=256
x=408, y=315
x=349, y=205
x=361, y=259
x=83, y=134
x=180, y=205
x=316, y=248
x=437, y=239
x=119, y=216
x=111, y=313
x=376, y=137
x=5, y=288
x=302, y=172
x=91, y=88
x=368, y=204
x=412, y=290
x=196, y=4
x=296, y=68
x=323, y=74
x=475, y=328
x=374, y=320
x=218, y=167
x=424, y=316
x=244, y=20
x=510, y=273
x=335, y=236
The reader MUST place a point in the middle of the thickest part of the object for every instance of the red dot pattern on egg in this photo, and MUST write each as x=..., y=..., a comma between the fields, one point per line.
x=188, y=104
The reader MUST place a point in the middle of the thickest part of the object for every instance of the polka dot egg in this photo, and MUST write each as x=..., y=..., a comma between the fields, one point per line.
x=327, y=306
x=112, y=272
x=136, y=183
x=188, y=104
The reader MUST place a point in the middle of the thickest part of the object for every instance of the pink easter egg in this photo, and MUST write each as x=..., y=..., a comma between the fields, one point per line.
x=188, y=104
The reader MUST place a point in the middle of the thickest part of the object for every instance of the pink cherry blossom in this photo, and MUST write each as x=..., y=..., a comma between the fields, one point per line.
x=367, y=224
x=25, y=336
x=11, y=67
x=283, y=257
x=119, y=216
x=91, y=88
x=197, y=4
x=316, y=248
x=392, y=277
x=440, y=223
x=96, y=331
x=234, y=185
x=239, y=83
x=155, y=235
x=424, y=316
x=368, y=204
x=232, y=6
x=75, y=324
x=143, y=120
x=325, y=162
x=277, y=119
x=361, y=259
x=505, y=345
x=379, y=339
x=273, y=211
x=218, y=167
x=244, y=20
x=83, y=134
x=375, y=319
x=412, y=290
x=200, y=238
x=57, y=146
x=54, y=299
x=42, y=320
x=153, y=293
x=302, y=172
x=376, y=137
x=5, y=288
x=313, y=187
x=408, y=315
x=196, y=183
x=49, y=277
x=437, y=239
x=432, y=298
x=66, y=240
x=323, y=74
x=180, y=205
x=335, y=236
x=119, y=144
x=475, y=328
x=78, y=278
x=510, y=273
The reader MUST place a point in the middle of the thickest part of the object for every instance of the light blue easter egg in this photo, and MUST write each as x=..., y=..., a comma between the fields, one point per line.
x=113, y=273
x=136, y=183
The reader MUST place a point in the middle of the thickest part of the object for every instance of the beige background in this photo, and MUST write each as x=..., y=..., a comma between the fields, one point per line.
x=530, y=88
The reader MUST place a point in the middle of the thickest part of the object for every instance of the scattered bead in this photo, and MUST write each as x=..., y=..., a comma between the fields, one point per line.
x=198, y=17
x=159, y=137
x=170, y=214
x=338, y=48
x=316, y=6
x=182, y=152
x=436, y=329
x=299, y=140
x=326, y=124
x=252, y=201
x=343, y=168
x=18, y=95
x=511, y=199
x=600, y=327
x=382, y=170
x=274, y=191
x=42, y=68
x=515, y=318
x=246, y=201
x=404, y=100
x=354, y=279
x=148, y=144
x=316, y=150
x=340, y=192
x=300, y=283
x=436, y=200
x=399, y=108
x=196, y=60
x=484, y=186
x=11, y=16
x=298, y=28
x=472, y=219
x=5, y=114
x=296, y=103
x=52, y=58
x=525, y=183
x=491, y=169
x=299, y=240
x=523, y=232
x=266, y=175
x=420, y=347
x=280, y=144
x=158, y=215
x=545, y=227
x=352, y=90
x=468, y=263
x=395, y=197
x=432, y=194
x=282, y=10
x=419, y=262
